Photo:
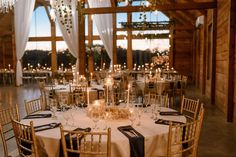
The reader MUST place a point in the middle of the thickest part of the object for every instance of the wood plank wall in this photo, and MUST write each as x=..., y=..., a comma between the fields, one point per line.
x=223, y=59
x=222, y=52
x=6, y=52
x=182, y=53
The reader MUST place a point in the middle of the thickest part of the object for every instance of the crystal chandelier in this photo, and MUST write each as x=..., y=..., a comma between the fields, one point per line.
x=6, y=5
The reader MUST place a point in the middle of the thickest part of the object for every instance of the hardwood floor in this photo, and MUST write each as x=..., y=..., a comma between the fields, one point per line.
x=218, y=138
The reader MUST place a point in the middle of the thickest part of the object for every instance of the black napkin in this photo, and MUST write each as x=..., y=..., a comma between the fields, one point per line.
x=136, y=141
x=74, y=143
x=167, y=122
x=170, y=113
x=34, y=116
x=46, y=126
x=63, y=108
x=36, y=129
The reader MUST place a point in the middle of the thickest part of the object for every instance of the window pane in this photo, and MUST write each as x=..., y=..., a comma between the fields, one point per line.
x=40, y=24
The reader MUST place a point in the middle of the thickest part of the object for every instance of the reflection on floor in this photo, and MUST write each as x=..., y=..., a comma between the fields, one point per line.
x=218, y=138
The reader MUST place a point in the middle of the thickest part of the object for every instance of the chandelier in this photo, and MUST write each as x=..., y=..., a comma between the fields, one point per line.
x=6, y=5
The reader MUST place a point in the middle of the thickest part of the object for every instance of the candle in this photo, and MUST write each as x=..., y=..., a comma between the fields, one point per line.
x=128, y=96
x=91, y=74
x=107, y=94
x=88, y=96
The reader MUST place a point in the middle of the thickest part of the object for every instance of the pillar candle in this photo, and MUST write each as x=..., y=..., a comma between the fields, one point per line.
x=88, y=96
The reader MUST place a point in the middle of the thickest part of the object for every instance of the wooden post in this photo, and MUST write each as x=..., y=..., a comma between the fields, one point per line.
x=114, y=40
x=204, y=37
x=194, y=56
x=172, y=45
x=214, y=43
x=13, y=45
x=54, y=49
x=81, y=40
x=129, y=44
x=90, y=43
x=3, y=53
x=231, y=65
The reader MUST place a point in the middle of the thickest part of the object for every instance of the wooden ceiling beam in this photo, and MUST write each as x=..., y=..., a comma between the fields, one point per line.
x=161, y=7
x=47, y=12
x=113, y=3
x=179, y=27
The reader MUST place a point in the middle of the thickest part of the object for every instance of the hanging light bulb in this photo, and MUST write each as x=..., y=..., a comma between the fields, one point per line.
x=126, y=2
x=156, y=12
x=147, y=4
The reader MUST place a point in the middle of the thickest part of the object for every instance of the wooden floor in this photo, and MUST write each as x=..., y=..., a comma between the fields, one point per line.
x=218, y=138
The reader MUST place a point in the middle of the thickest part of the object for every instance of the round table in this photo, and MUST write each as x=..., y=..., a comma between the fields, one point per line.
x=156, y=135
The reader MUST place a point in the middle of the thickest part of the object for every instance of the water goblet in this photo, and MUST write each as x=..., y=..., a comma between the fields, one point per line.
x=132, y=116
x=95, y=117
x=66, y=116
x=139, y=114
x=54, y=110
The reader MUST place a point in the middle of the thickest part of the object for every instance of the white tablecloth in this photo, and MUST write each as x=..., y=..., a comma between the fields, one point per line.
x=155, y=134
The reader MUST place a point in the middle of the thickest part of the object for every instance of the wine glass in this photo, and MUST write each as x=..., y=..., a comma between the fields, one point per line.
x=95, y=117
x=53, y=108
x=66, y=116
x=105, y=117
x=132, y=116
x=139, y=114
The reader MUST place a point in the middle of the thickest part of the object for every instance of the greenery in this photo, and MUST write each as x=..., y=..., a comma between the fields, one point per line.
x=43, y=57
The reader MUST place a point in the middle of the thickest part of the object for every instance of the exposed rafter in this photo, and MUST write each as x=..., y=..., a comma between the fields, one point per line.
x=161, y=7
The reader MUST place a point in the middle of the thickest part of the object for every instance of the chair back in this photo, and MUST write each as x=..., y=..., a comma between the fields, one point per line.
x=78, y=94
x=200, y=118
x=182, y=139
x=6, y=128
x=119, y=96
x=86, y=143
x=155, y=99
x=33, y=106
x=189, y=108
x=25, y=139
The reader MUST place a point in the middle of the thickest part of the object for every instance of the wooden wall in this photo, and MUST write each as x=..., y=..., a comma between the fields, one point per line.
x=6, y=52
x=225, y=76
x=182, y=52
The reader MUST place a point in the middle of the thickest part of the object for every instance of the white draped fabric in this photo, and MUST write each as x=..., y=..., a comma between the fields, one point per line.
x=23, y=13
x=104, y=25
x=71, y=38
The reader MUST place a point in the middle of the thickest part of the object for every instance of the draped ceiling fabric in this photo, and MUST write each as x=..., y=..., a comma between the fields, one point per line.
x=23, y=12
x=71, y=38
x=104, y=25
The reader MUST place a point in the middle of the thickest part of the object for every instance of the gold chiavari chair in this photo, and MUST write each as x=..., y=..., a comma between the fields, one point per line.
x=189, y=108
x=6, y=130
x=120, y=96
x=200, y=118
x=25, y=139
x=33, y=106
x=86, y=143
x=48, y=94
x=182, y=139
x=179, y=90
x=152, y=98
x=163, y=100
x=78, y=94
x=169, y=89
